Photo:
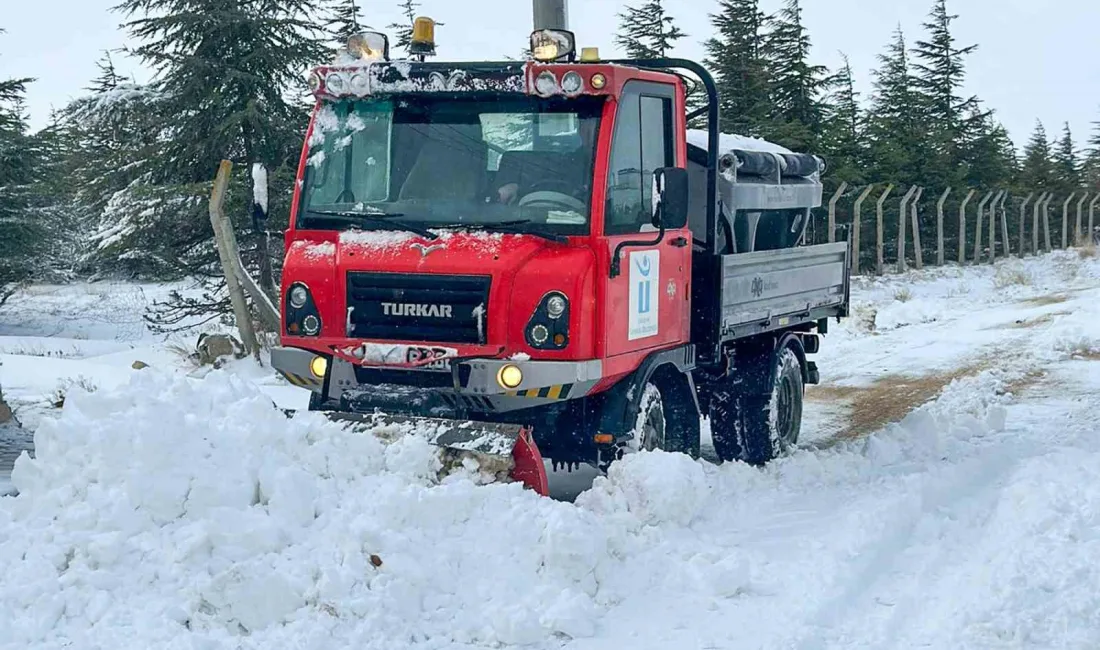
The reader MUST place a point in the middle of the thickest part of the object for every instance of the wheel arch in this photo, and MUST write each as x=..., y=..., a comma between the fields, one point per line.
x=621, y=402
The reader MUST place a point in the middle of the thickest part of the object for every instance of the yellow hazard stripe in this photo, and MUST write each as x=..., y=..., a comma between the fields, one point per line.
x=555, y=392
x=300, y=381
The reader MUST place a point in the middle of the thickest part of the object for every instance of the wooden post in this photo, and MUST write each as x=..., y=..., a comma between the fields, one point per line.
x=857, y=220
x=1092, y=214
x=918, y=253
x=902, y=214
x=993, y=225
x=939, y=226
x=226, y=242
x=1065, y=220
x=962, y=226
x=879, y=262
x=978, y=228
x=832, y=210
x=1046, y=221
x=1077, y=239
x=1023, y=216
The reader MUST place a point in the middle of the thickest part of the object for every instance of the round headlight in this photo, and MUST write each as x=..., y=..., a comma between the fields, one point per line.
x=335, y=83
x=298, y=296
x=539, y=334
x=556, y=305
x=598, y=81
x=547, y=84
x=314, y=82
x=311, y=325
x=319, y=366
x=359, y=84
x=572, y=83
x=510, y=376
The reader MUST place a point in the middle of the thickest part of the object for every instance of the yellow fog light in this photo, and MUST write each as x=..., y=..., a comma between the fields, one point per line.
x=319, y=366
x=599, y=81
x=509, y=376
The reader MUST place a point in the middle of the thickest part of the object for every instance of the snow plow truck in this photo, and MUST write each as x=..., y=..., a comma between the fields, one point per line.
x=529, y=260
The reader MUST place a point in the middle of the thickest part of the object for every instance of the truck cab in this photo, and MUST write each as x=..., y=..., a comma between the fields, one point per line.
x=522, y=242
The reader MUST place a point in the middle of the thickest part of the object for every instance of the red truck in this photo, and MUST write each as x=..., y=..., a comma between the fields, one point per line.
x=544, y=249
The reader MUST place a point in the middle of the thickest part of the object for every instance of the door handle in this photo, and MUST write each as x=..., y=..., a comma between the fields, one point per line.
x=679, y=242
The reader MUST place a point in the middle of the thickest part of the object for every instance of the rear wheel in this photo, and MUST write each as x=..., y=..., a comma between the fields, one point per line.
x=758, y=428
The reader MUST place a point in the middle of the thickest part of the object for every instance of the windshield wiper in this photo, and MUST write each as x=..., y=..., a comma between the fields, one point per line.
x=387, y=218
x=510, y=227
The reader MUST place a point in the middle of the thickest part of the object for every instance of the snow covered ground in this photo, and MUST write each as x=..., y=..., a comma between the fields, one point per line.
x=947, y=496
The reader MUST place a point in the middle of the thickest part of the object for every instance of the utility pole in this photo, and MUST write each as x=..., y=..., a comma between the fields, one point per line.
x=551, y=14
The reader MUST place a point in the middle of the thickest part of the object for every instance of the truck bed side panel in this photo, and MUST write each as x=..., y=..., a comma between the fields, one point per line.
x=773, y=289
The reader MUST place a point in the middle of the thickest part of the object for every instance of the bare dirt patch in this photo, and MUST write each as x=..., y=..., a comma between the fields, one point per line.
x=1028, y=323
x=1043, y=301
x=888, y=400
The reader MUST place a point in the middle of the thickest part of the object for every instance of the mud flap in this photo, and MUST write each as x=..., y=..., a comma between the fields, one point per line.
x=506, y=451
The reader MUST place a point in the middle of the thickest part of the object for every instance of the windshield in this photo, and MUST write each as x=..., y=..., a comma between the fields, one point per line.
x=517, y=164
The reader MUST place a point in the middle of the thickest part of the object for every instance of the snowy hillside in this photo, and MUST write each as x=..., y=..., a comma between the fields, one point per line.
x=947, y=496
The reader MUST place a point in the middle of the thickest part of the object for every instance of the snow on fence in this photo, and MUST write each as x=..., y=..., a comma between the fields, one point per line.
x=991, y=231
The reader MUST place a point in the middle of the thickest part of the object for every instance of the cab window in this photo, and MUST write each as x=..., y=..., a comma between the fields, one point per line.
x=643, y=143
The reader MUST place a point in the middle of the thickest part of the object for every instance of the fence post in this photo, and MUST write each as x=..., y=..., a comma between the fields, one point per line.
x=832, y=210
x=978, y=228
x=1004, y=226
x=902, y=214
x=993, y=225
x=857, y=217
x=918, y=252
x=939, y=226
x=1046, y=221
x=1065, y=220
x=1023, y=216
x=226, y=243
x=1080, y=213
x=1092, y=213
x=879, y=262
x=1035, y=223
x=962, y=226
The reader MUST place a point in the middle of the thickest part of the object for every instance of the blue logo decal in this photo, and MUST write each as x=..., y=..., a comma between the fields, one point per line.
x=644, y=266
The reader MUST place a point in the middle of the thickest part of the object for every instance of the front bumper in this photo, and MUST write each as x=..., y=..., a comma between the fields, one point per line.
x=294, y=365
x=469, y=386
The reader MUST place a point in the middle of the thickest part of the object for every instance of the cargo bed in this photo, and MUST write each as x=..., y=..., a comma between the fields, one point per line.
x=776, y=289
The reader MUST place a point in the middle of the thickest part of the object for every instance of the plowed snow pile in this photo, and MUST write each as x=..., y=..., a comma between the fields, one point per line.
x=189, y=513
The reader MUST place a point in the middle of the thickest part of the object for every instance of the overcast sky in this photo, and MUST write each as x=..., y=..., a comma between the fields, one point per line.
x=1037, y=59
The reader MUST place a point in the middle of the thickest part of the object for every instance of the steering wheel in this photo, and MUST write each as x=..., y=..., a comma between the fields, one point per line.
x=553, y=201
x=552, y=185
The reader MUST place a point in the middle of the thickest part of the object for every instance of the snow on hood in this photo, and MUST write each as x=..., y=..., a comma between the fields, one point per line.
x=381, y=240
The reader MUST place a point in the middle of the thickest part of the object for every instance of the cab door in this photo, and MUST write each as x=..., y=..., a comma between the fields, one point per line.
x=647, y=304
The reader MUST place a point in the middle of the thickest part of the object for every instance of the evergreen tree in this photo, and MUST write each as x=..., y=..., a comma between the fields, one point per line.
x=227, y=70
x=894, y=126
x=343, y=21
x=647, y=31
x=796, y=85
x=843, y=128
x=989, y=157
x=1091, y=167
x=404, y=30
x=19, y=158
x=1038, y=169
x=1067, y=169
x=735, y=57
x=939, y=76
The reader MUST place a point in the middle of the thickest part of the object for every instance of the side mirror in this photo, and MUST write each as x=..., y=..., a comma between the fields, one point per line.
x=670, y=197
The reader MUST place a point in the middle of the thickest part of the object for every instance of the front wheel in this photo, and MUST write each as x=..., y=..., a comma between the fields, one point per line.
x=667, y=419
x=759, y=428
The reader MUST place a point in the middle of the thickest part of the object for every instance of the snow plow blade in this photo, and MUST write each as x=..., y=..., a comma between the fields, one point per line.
x=505, y=451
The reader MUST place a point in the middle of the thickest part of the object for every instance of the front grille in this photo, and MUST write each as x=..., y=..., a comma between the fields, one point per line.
x=411, y=307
